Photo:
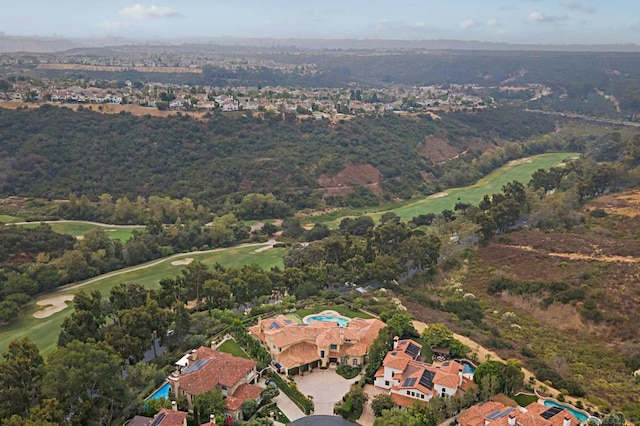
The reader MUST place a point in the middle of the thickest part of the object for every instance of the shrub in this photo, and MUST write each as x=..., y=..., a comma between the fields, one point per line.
x=347, y=371
x=304, y=403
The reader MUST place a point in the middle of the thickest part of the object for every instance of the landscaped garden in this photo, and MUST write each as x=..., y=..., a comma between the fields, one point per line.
x=524, y=399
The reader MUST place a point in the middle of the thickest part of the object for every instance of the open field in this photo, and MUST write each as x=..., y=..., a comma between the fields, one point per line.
x=520, y=170
x=79, y=229
x=44, y=332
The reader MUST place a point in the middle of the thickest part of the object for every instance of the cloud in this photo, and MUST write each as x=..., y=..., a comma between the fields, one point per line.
x=576, y=5
x=491, y=22
x=139, y=11
x=539, y=17
x=468, y=23
x=112, y=25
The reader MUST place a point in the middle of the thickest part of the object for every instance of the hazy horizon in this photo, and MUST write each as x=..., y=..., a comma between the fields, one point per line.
x=546, y=22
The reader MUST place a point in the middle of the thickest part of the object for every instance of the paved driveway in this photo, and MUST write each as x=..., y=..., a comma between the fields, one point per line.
x=326, y=387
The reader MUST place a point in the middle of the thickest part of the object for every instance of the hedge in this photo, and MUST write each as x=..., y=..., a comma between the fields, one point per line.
x=304, y=403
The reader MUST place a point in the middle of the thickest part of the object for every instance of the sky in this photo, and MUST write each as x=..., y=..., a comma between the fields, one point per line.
x=510, y=21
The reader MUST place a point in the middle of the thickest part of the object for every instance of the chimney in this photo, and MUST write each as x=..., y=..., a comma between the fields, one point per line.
x=567, y=421
x=212, y=419
x=194, y=355
x=174, y=406
x=395, y=342
x=512, y=420
x=487, y=422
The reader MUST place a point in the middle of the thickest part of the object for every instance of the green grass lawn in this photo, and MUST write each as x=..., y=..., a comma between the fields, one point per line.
x=232, y=347
x=9, y=219
x=341, y=309
x=44, y=332
x=295, y=318
x=524, y=399
x=80, y=228
x=471, y=194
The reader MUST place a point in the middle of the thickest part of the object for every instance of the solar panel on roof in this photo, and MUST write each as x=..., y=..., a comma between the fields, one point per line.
x=158, y=419
x=409, y=382
x=288, y=321
x=493, y=414
x=552, y=411
x=427, y=379
x=445, y=364
x=413, y=350
x=196, y=366
x=275, y=325
x=499, y=414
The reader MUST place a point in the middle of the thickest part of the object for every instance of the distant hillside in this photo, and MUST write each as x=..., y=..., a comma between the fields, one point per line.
x=50, y=152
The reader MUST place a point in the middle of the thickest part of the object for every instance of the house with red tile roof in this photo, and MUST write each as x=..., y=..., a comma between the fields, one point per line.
x=299, y=347
x=164, y=417
x=409, y=379
x=496, y=414
x=210, y=369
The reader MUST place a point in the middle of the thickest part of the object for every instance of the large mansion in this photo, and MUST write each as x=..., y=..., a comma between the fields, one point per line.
x=535, y=414
x=209, y=369
x=297, y=347
x=409, y=379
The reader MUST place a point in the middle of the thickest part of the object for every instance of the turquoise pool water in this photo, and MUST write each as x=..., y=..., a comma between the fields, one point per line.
x=578, y=414
x=162, y=392
x=342, y=321
x=468, y=367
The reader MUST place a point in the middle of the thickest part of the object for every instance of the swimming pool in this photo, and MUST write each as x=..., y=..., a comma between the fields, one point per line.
x=469, y=368
x=328, y=316
x=581, y=416
x=161, y=392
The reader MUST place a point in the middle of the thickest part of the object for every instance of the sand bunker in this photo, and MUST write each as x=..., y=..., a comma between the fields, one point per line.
x=181, y=262
x=439, y=195
x=53, y=305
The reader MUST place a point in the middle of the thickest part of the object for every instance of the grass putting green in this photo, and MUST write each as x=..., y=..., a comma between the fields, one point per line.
x=232, y=347
x=519, y=170
x=79, y=229
x=524, y=399
x=44, y=332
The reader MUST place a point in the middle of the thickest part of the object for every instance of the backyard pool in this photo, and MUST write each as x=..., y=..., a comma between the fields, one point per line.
x=469, y=368
x=161, y=392
x=327, y=316
x=580, y=415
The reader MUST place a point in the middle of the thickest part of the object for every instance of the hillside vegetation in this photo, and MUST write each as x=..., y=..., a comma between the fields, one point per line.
x=51, y=152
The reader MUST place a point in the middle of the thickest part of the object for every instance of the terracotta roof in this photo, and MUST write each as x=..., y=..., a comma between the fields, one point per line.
x=403, y=401
x=166, y=417
x=215, y=368
x=244, y=392
x=140, y=421
x=396, y=360
x=299, y=354
x=379, y=372
x=497, y=414
x=353, y=340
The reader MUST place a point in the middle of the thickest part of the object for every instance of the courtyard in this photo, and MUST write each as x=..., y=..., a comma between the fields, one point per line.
x=326, y=387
